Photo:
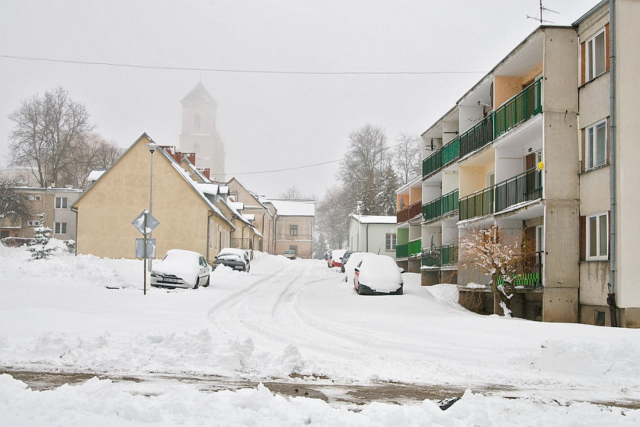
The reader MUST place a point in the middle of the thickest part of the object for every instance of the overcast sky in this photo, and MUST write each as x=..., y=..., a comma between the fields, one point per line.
x=267, y=121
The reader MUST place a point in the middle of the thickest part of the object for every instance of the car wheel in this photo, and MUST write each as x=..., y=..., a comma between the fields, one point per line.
x=197, y=282
x=207, y=282
x=248, y=268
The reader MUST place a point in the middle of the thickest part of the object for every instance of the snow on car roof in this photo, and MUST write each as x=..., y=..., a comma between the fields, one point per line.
x=233, y=251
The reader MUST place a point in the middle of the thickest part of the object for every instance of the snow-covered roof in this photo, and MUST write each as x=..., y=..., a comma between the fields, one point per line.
x=237, y=205
x=95, y=174
x=295, y=207
x=208, y=188
x=250, y=217
x=195, y=170
x=374, y=219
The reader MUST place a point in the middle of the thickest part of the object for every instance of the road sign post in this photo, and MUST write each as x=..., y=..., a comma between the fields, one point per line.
x=145, y=247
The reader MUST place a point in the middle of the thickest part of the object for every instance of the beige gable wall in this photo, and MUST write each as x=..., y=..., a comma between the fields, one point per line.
x=105, y=213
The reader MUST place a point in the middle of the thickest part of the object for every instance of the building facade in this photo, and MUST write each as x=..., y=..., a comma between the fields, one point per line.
x=375, y=234
x=294, y=225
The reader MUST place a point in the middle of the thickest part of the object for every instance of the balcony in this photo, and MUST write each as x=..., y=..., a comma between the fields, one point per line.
x=443, y=256
x=440, y=206
x=476, y=204
x=521, y=188
x=415, y=247
x=530, y=275
x=519, y=109
x=512, y=113
x=409, y=212
x=402, y=251
x=476, y=137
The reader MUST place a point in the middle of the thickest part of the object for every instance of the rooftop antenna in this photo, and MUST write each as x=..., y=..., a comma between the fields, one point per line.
x=543, y=9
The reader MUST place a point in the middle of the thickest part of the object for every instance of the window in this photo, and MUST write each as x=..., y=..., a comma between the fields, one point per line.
x=390, y=241
x=293, y=230
x=196, y=122
x=599, y=318
x=293, y=248
x=60, y=228
x=598, y=237
x=540, y=238
x=61, y=203
x=595, y=56
x=596, y=145
x=33, y=223
x=34, y=197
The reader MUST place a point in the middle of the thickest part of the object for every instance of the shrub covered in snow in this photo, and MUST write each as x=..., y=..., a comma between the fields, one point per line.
x=41, y=248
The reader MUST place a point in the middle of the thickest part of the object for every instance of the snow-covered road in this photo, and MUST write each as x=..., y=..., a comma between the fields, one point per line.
x=294, y=322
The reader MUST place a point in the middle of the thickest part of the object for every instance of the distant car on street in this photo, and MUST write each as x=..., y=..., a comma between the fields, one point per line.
x=335, y=258
x=233, y=258
x=291, y=254
x=181, y=269
x=345, y=259
x=378, y=275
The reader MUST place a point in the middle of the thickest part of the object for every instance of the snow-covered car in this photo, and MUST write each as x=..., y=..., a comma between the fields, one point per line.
x=233, y=258
x=181, y=269
x=291, y=254
x=354, y=260
x=335, y=258
x=378, y=274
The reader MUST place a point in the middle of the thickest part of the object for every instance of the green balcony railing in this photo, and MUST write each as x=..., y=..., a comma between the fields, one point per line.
x=432, y=209
x=440, y=206
x=518, y=189
x=442, y=256
x=415, y=247
x=521, y=107
x=531, y=274
x=451, y=151
x=402, y=251
x=479, y=203
x=478, y=136
x=450, y=201
x=432, y=163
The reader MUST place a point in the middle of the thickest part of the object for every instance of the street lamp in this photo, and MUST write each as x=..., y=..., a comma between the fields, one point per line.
x=152, y=148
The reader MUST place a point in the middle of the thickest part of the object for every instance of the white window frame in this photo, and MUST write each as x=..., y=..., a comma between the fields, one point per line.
x=61, y=202
x=590, y=145
x=599, y=256
x=390, y=240
x=60, y=228
x=590, y=52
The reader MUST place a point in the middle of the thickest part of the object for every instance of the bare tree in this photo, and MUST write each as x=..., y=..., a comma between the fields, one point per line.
x=499, y=255
x=46, y=130
x=407, y=157
x=94, y=152
x=332, y=220
x=362, y=168
x=14, y=205
x=291, y=193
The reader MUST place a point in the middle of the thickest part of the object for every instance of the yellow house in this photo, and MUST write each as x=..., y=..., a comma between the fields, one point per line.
x=188, y=219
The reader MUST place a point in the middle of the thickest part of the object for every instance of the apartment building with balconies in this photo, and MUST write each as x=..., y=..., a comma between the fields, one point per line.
x=505, y=155
x=408, y=226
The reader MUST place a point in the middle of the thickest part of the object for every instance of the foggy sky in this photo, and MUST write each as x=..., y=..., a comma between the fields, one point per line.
x=267, y=121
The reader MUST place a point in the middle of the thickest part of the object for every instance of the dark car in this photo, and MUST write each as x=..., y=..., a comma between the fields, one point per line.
x=345, y=258
x=233, y=258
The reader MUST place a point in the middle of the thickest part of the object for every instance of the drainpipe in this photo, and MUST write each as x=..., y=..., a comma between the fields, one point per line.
x=611, y=299
x=367, y=238
x=208, y=233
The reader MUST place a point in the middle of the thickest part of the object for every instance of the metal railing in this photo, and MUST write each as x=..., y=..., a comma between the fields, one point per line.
x=521, y=107
x=415, y=247
x=518, y=189
x=515, y=111
x=402, y=251
x=531, y=274
x=402, y=216
x=439, y=257
x=440, y=206
x=479, y=203
x=409, y=212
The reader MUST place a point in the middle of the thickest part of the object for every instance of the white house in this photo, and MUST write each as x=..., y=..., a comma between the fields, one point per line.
x=377, y=234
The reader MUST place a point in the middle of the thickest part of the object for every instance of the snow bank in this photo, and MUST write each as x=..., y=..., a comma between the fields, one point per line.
x=105, y=403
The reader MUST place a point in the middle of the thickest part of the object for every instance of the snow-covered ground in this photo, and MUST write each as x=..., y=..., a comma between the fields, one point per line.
x=291, y=321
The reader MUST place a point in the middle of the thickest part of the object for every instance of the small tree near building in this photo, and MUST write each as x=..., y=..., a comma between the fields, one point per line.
x=41, y=249
x=495, y=254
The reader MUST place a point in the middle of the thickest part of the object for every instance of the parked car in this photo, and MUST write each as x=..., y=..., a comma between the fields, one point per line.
x=376, y=275
x=291, y=254
x=181, y=269
x=335, y=258
x=345, y=259
x=234, y=258
x=354, y=260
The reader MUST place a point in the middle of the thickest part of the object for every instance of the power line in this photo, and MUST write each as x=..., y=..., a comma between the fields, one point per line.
x=232, y=70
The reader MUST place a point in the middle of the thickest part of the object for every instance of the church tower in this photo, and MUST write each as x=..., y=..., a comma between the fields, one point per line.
x=199, y=134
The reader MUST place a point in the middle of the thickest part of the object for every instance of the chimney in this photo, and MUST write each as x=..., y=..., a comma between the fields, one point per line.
x=206, y=172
